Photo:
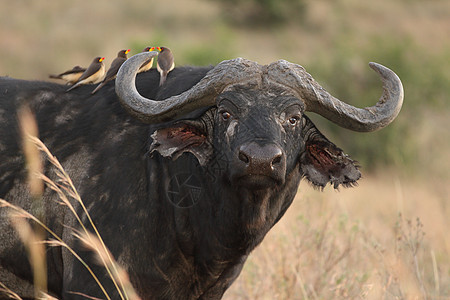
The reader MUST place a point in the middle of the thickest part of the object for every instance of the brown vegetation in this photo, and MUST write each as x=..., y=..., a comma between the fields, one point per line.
x=386, y=238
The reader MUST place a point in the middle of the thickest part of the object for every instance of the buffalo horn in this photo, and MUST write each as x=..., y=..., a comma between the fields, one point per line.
x=201, y=95
x=242, y=71
x=318, y=100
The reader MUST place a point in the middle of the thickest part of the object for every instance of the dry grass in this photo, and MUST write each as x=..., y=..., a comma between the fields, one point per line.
x=34, y=238
x=385, y=239
x=8, y=293
x=365, y=242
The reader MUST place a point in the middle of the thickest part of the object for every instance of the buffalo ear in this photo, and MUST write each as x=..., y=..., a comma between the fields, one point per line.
x=181, y=137
x=324, y=162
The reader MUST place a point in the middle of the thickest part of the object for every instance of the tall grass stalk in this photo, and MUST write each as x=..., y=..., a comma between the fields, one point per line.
x=65, y=182
x=302, y=284
x=435, y=273
x=85, y=296
x=36, y=252
x=30, y=237
x=19, y=212
x=93, y=243
x=8, y=292
x=32, y=146
x=34, y=241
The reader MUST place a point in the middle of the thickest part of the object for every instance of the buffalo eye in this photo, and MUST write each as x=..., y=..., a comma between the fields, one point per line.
x=293, y=120
x=225, y=115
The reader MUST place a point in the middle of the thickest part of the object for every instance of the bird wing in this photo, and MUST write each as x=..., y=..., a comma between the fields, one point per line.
x=91, y=70
x=73, y=71
x=114, y=68
x=166, y=61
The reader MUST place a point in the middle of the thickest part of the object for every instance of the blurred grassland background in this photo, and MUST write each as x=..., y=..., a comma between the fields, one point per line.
x=351, y=244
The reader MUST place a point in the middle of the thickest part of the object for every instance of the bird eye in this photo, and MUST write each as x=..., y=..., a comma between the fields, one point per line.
x=293, y=120
x=225, y=115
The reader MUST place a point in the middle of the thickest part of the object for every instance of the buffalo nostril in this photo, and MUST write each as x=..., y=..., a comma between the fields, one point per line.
x=277, y=159
x=243, y=157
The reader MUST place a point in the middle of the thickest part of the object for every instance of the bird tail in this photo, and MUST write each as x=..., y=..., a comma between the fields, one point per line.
x=54, y=76
x=72, y=87
x=98, y=87
x=162, y=78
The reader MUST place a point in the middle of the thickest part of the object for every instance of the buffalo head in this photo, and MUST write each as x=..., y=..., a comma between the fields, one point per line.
x=256, y=120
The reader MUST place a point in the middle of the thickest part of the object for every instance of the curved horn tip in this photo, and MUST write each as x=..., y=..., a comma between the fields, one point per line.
x=393, y=93
x=141, y=57
x=375, y=65
x=382, y=70
x=149, y=110
x=378, y=67
x=144, y=55
x=132, y=64
x=390, y=75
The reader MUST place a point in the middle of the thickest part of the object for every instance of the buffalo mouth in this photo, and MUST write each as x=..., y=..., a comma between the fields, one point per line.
x=257, y=182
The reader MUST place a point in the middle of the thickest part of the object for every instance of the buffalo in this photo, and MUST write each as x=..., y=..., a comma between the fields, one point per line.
x=182, y=180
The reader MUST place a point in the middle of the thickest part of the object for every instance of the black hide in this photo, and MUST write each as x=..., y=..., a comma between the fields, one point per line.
x=180, y=205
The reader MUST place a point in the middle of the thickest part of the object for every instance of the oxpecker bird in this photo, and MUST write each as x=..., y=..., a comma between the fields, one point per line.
x=165, y=63
x=149, y=63
x=70, y=76
x=113, y=69
x=93, y=74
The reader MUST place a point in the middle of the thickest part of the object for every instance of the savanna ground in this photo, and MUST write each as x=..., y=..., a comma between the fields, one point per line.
x=385, y=239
